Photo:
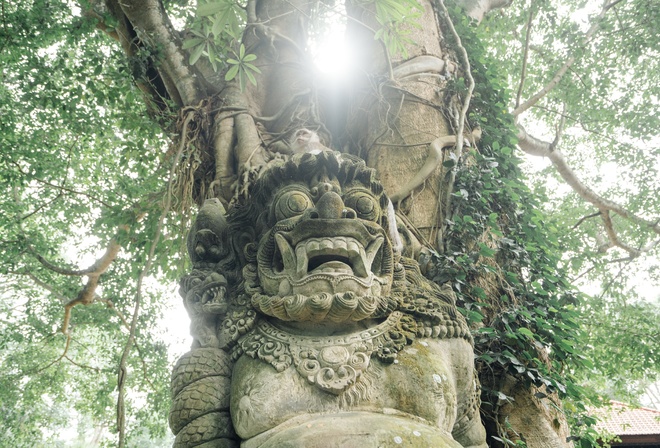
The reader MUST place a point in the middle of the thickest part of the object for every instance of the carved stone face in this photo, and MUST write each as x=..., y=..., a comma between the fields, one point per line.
x=325, y=240
x=325, y=253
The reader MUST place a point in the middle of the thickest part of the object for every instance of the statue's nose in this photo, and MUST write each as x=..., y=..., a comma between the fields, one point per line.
x=330, y=206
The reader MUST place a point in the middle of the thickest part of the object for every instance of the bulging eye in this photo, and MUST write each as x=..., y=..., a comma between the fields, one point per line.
x=291, y=202
x=364, y=203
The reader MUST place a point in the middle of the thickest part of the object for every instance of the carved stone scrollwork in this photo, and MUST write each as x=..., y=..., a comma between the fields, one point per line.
x=331, y=363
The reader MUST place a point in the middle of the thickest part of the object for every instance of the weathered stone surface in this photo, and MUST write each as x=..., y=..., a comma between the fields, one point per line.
x=198, y=364
x=523, y=413
x=220, y=443
x=203, y=396
x=208, y=427
x=355, y=429
x=336, y=339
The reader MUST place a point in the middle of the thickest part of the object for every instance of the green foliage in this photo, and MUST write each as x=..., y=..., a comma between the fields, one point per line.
x=242, y=68
x=518, y=253
x=611, y=98
x=218, y=26
x=80, y=158
x=628, y=362
x=604, y=346
x=396, y=19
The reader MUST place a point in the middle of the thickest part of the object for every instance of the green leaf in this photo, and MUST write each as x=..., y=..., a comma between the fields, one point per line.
x=195, y=54
x=231, y=73
x=189, y=43
x=254, y=68
x=251, y=77
x=211, y=8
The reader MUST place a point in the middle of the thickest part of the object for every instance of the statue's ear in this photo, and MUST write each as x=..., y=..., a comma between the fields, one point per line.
x=245, y=245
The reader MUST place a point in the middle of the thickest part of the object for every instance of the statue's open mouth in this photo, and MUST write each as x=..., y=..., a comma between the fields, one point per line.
x=334, y=256
x=326, y=255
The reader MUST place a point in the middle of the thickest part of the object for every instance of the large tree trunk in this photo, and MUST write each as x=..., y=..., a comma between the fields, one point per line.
x=397, y=113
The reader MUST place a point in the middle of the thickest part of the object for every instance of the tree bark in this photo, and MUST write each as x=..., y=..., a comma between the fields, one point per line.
x=397, y=113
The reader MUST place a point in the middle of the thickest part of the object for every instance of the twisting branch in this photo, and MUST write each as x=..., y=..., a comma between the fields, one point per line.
x=584, y=218
x=467, y=72
x=88, y=293
x=523, y=70
x=93, y=273
x=48, y=287
x=57, y=269
x=536, y=147
x=59, y=358
x=614, y=240
x=110, y=304
x=150, y=21
x=567, y=65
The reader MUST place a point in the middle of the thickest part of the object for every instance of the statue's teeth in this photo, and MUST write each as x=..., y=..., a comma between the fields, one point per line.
x=312, y=245
x=359, y=268
x=352, y=248
x=288, y=257
x=326, y=244
x=360, y=259
x=372, y=250
x=302, y=260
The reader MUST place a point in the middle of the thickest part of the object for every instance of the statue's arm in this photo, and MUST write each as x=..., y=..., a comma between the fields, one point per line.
x=473, y=436
x=468, y=429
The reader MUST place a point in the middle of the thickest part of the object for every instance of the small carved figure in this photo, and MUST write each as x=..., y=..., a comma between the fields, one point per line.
x=201, y=378
x=205, y=239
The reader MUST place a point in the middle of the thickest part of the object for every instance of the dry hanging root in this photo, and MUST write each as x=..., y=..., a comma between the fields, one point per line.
x=194, y=121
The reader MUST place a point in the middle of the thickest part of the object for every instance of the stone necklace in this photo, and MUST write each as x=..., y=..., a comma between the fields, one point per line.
x=331, y=363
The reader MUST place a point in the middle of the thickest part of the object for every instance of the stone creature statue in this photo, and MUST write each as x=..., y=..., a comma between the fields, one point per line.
x=328, y=337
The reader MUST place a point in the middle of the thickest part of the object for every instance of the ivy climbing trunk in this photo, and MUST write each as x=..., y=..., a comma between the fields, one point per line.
x=406, y=112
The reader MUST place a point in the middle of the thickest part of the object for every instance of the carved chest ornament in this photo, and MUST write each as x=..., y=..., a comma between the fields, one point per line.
x=331, y=363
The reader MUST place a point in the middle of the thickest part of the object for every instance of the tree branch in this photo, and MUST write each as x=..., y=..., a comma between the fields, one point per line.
x=48, y=287
x=564, y=68
x=467, y=72
x=153, y=27
x=614, y=240
x=536, y=147
x=59, y=187
x=59, y=358
x=88, y=293
x=523, y=71
x=584, y=218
